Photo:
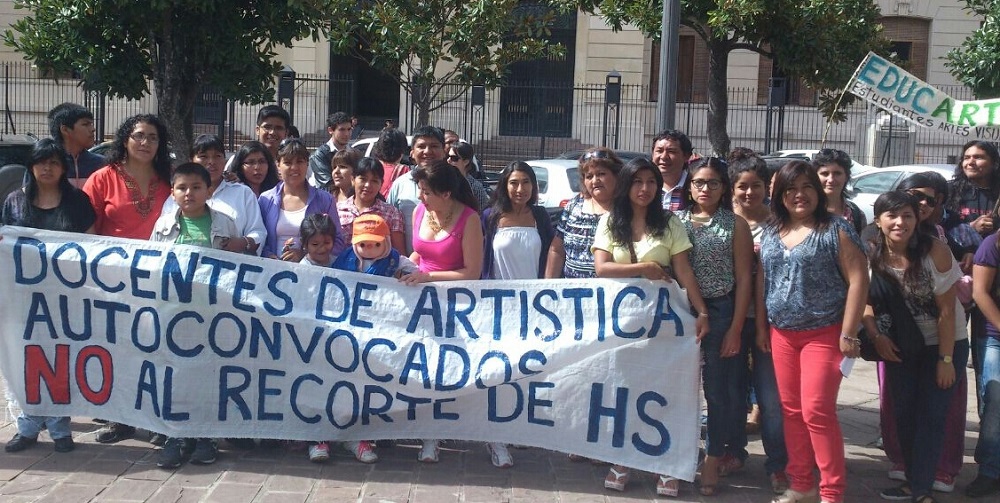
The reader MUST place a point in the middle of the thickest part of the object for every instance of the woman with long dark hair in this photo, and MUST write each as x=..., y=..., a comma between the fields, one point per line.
x=816, y=284
x=917, y=271
x=255, y=167
x=128, y=195
x=722, y=258
x=834, y=169
x=47, y=201
x=129, y=192
x=516, y=229
x=447, y=240
x=638, y=238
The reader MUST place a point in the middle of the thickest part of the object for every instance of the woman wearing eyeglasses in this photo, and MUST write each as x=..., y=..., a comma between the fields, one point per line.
x=834, y=170
x=638, y=238
x=255, y=167
x=722, y=258
x=127, y=196
x=460, y=155
x=284, y=207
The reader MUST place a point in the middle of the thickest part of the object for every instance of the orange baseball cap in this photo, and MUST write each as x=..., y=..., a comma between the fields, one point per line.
x=369, y=227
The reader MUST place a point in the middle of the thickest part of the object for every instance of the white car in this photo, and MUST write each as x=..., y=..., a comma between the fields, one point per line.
x=865, y=186
x=558, y=182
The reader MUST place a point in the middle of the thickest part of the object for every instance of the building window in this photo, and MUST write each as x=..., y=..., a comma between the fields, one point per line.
x=685, y=71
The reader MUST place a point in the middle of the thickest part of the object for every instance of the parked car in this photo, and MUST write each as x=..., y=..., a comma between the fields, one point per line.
x=558, y=182
x=624, y=155
x=15, y=154
x=865, y=186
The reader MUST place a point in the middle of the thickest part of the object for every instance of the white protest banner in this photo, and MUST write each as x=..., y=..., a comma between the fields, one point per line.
x=197, y=342
x=885, y=85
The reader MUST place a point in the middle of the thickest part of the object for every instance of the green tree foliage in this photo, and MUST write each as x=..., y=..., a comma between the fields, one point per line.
x=426, y=44
x=975, y=62
x=181, y=45
x=820, y=42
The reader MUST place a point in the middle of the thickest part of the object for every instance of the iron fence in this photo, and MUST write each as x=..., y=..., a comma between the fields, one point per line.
x=520, y=121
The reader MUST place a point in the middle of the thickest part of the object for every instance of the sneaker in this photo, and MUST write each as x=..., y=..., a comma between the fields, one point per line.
x=898, y=493
x=793, y=496
x=499, y=455
x=158, y=439
x=982, y=486
x=943, y=483
x=172, y=454
x=319, y=452
x=205, y=452
x=779, y=482
x=20, y=443
x=363, y=451
x=429, y=452
x=898, y=472
x=112, y=433
x=64, y=444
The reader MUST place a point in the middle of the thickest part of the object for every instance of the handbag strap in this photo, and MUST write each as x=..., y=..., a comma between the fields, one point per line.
x=631, y=252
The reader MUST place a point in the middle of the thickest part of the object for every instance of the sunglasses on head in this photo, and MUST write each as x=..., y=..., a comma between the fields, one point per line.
x=288, y=141
x=595, y=154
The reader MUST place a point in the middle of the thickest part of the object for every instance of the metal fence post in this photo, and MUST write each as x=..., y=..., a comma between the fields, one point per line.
x=612, y=99
x=286, y=91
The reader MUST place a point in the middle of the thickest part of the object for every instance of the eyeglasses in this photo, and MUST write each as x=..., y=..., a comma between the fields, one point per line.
x=454, y=158
x=711, y=184
x=924, y=198
x=271, y=128
x=144, y=138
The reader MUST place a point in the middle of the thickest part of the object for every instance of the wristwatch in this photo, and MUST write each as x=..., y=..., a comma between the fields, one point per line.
x=945, y=358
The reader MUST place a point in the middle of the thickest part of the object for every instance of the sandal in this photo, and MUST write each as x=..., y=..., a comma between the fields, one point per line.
x=617, y=478
x=709, y=479
x=729, y=464
x=668, y=486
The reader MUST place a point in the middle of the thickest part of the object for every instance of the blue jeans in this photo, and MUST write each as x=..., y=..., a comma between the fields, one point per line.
x=921, y=409
x=765, y=389
x=30, y=426
x=725, y=385
x=988, y=379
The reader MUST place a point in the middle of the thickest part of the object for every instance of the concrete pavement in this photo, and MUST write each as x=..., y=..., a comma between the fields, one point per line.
x=127, y=471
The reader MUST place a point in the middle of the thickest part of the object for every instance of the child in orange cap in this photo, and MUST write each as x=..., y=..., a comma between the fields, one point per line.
x=371, y=253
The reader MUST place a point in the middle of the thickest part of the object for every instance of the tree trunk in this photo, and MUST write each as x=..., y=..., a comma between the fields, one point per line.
x=176, y=90
x=718, y=95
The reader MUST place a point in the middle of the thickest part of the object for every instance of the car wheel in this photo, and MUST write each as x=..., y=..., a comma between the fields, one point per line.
x=11, y=179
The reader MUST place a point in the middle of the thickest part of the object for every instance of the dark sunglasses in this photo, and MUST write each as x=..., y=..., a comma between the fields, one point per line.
x=454, y=158
x=595, y=154
x=924, y=198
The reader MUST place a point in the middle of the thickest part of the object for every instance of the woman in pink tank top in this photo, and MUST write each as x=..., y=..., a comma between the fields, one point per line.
x=447, y=243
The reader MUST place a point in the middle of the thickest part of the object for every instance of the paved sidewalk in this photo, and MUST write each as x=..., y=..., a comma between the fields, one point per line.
x=128, y=472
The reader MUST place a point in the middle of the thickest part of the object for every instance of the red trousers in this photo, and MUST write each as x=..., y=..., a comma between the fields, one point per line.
x=807, y=368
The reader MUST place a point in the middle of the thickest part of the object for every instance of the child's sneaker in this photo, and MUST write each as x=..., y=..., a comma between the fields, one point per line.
x=363, y=451
x=319, y=452
x=499, y=455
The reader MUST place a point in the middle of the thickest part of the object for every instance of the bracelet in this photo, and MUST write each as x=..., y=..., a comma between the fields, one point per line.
x=703, y=314
x=852, y=340
x=247, y=247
